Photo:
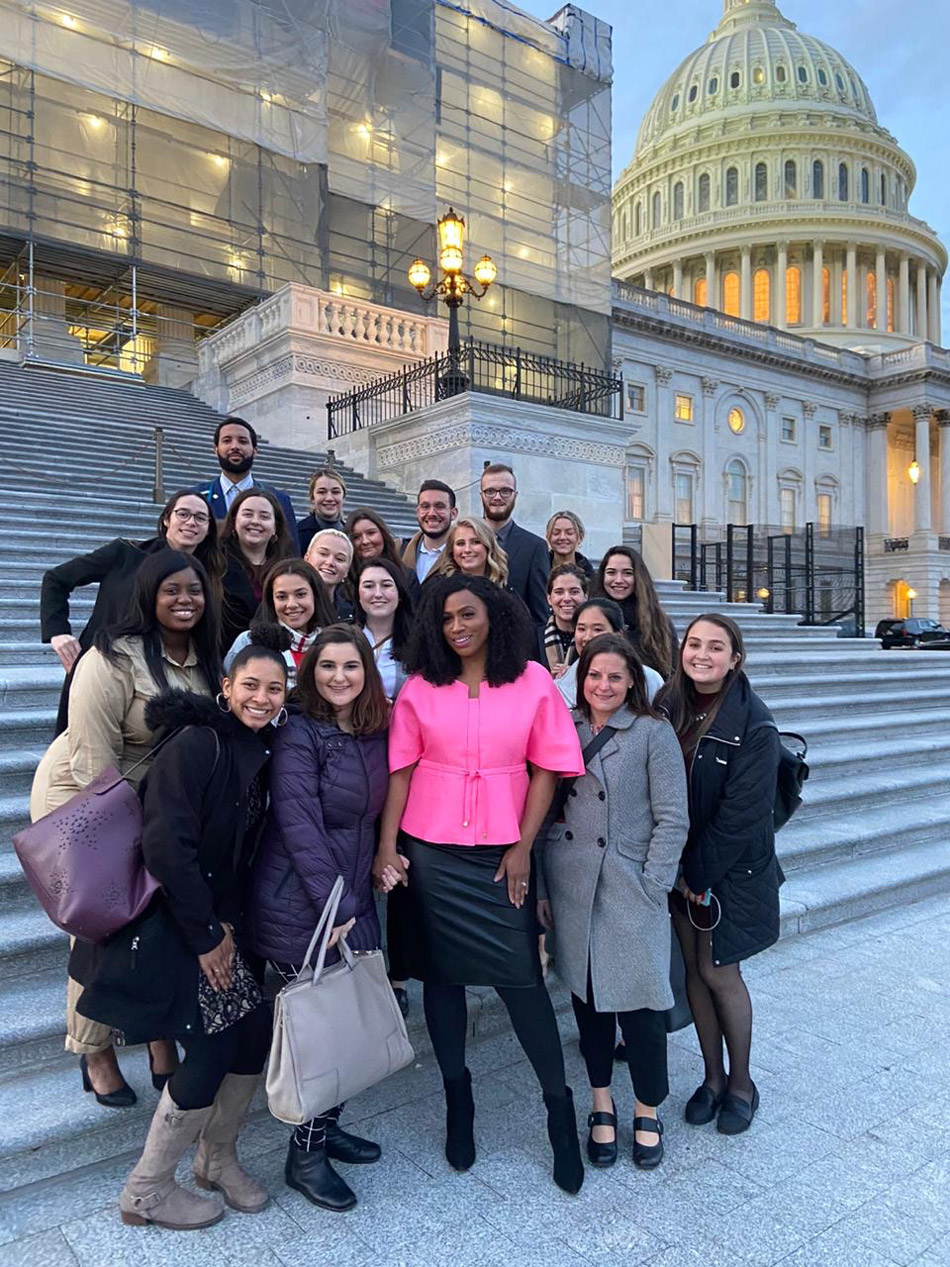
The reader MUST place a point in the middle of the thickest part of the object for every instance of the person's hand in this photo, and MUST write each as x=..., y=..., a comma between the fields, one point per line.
x=340, y=931
x=545, y=914
x=218, y=964
x=389, y=869
x=67, y=648
x=559, y=670
x=516, y=867
x=691, y=896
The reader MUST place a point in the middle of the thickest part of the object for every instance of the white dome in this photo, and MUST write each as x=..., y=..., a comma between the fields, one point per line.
x=755, y=56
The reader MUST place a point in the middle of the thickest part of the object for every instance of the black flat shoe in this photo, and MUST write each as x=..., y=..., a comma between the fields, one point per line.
x=402, y=998
x=158, y=1079
x=602, y=1155
x=342, y=1146
x=647, y=1156
x=703, y=1105
x=311, y=1174
x=736, y=1114
x=123, y=1098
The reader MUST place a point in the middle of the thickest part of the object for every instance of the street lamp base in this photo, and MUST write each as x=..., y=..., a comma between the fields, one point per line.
x=452, y=383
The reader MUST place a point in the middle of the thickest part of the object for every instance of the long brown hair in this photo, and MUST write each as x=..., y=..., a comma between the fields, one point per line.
x=389, y=551
x=653, y=626
x=208, y=552
x=638, y=697
x=281, y=546
x=324, y=612
x=371, y=709
x=679, y=697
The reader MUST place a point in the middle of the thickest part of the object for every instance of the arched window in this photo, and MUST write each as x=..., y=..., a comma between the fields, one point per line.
x=638, y=220
x=780, y=74
x=758, y=76
x=674, y=104
x=703, y=194
x=678, y=200
x=890, y=304
x=732, y=186
x=762, y=296
x=737, y=492
x=791, y=178
x=693, y=93
x=713, y=86
x=842, y=182
x=803, y=75
x=818, y=179
x=656, y=211
x=735, y=79
x=701, y=293
x=793, y=296
x=871, y=296
x=883, y=189
x=865, y=185
x=826, y=296
x=761, y=182
x=730, y=294
x=822, y=77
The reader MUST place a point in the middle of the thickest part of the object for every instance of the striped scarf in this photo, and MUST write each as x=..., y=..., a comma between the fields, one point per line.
x=558, y=646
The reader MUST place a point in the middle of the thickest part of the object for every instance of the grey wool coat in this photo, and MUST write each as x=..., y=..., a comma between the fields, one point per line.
x=608, y=867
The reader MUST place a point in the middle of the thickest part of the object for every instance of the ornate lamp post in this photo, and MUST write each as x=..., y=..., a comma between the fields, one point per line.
x=452, y=287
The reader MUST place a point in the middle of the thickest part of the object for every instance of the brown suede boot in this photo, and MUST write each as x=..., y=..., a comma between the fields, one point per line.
x=216, y=1163
x=151, y=1194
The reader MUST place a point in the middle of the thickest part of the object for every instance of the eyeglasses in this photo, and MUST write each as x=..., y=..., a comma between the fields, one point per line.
x=497, y=494
x=199, y=516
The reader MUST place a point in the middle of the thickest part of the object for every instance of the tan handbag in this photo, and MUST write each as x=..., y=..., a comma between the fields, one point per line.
x=337, y=1031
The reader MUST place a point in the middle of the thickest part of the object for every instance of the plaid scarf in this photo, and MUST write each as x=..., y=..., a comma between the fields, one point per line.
x=558, y=645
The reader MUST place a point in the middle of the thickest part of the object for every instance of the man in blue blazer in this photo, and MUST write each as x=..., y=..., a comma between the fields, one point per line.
x=235, y=446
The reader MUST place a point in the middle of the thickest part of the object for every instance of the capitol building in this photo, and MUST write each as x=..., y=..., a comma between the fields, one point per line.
x=777, y=309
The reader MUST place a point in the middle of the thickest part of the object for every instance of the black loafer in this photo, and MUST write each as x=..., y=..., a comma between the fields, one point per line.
x=602, y=1155
x=647, y=1156
x=703, y=1105
x=123, y=1098
x=342, y=1146
x=736, y=1114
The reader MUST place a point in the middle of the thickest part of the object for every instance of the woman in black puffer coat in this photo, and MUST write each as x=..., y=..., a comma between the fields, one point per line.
x=732, y=748
x=329, y=777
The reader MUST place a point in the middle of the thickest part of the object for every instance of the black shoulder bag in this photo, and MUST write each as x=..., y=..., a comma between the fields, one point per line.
x=564, y=786
x=792, y=773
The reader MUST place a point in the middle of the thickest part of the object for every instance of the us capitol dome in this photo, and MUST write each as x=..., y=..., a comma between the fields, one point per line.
x=763, y=185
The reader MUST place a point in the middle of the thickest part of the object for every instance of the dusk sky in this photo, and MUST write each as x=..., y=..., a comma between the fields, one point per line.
x=899, y=50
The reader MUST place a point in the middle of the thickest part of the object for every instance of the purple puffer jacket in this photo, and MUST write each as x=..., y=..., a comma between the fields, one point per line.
x=327, y=790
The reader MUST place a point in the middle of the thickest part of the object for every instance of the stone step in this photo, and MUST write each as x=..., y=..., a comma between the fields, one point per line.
x=870, y=692
x=29, y=943
x=31, y=1019
x=841, y=726
x=16, y=770
x=831, y=761
x=806, y=844
x=29, y=686
x=877, y=790
x=27, y=728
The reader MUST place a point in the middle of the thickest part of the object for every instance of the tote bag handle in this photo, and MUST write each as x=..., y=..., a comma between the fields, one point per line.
x=325, y=925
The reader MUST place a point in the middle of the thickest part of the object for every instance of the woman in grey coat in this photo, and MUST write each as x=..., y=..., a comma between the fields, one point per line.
x=607, y=868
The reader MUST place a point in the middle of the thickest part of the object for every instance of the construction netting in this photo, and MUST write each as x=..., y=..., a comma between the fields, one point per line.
x=261, y=141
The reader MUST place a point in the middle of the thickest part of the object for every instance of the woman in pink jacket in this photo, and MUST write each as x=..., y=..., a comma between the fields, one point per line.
x=478, y=738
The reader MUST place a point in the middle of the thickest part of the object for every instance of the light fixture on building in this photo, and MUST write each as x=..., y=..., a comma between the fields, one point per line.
x=763, y=593
x=913, y=471
x=911, y=595
x=452, y=288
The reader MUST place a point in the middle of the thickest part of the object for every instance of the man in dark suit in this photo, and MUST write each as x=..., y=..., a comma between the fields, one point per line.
x=235, y=446
x=528, y=563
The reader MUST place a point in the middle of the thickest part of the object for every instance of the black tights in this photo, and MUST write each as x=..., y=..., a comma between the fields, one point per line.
x=209, y=1058
x=532, y=1018
x=720, y=1004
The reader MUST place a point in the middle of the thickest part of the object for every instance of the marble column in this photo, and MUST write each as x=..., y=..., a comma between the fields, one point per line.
x=923, y=502
x=47, y=336
x=817, y=289
x=878, y=519
x=677, y=279
x=943, y=436
x=769, y=512
x=664, y=427
x=853, y=297
x=921, y=330
x=880, y=271
x=903, y=296
x=707, y=507
x=933, y=309
x=648, y=279
x=781, y=274
x=837, y=270
x=712, y=282
x=745, y=285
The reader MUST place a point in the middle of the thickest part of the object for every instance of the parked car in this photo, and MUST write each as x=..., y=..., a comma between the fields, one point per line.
x=916, y=632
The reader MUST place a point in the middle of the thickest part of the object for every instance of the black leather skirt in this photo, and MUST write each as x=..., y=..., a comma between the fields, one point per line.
x=461, y=928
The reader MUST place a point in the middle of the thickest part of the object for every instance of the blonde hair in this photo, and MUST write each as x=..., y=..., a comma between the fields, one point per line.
x=497, y=559
x=564, y=514
x=337, y=535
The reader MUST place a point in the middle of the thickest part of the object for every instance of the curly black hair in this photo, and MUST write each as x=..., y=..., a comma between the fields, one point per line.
x=511, y=634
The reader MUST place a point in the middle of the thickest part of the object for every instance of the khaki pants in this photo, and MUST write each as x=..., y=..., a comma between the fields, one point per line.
x=84, y=1037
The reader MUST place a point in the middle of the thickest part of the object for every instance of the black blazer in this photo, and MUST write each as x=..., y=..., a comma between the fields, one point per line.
x=213, y=494
x=731, y=844
x=114, y=567
x=144, y=979
x=528, y=569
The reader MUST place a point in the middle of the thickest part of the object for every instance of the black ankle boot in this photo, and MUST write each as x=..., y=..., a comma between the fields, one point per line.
x=562, y=1132
x=342, y=1146
x=459, y=1122
x=311, y=1174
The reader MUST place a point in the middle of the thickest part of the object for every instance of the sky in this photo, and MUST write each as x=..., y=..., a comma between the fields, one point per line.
x=898, y=49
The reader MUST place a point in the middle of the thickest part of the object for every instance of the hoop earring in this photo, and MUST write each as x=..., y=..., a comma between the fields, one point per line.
x=281, y=718
x=222, y=702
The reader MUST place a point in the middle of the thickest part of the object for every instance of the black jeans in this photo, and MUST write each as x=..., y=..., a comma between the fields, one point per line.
x=209, y=1058
x=644, y=1033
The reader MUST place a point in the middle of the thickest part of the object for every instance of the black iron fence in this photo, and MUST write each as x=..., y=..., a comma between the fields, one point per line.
x=815, y=573
x=477, y=367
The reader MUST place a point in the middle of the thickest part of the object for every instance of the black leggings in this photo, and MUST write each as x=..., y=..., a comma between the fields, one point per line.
x=209, y=1058
x=644, y=1034
x=532, y=1018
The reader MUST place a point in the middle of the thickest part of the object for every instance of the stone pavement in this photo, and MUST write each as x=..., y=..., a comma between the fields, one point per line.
x=847, y=1163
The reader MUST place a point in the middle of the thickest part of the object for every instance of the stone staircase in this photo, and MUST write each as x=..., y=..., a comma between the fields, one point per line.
x=873, y=830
